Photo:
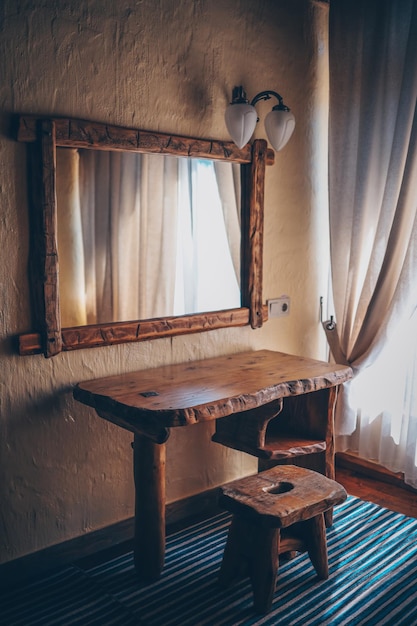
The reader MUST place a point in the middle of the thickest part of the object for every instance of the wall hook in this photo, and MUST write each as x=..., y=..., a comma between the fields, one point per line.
x=330, y=324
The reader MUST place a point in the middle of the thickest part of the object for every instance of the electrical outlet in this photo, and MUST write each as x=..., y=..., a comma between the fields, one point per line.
x=279, y=307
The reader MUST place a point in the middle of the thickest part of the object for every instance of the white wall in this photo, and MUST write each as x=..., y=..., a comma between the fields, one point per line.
x=168, y=66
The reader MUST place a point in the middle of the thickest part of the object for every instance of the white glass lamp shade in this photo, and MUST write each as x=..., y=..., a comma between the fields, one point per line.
x=241, y=120
x=279, y=126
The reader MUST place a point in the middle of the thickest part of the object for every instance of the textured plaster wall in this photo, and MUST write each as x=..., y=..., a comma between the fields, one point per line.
x=164, y=65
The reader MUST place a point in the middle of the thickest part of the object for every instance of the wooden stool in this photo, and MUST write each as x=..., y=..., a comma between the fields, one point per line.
x=276, y=511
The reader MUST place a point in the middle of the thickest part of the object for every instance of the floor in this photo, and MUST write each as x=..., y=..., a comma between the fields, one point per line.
x=372, y=582
x=390, y=496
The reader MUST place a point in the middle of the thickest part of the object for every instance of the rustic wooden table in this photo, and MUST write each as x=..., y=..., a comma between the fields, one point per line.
x=244, y=392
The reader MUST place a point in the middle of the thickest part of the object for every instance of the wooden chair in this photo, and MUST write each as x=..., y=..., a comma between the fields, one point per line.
x=277, y=511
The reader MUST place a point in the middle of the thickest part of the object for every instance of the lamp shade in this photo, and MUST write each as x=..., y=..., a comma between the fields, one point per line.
x=279, y=126
x=241, y=120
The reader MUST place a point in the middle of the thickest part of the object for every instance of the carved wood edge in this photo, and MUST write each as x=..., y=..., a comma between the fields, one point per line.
x=255, y=494
x=330, y=449
x=296, y=448
x=100, y=136
x=246, y=430
x=53, y=338
x=253, y=228
x=149, y=426
x=81, y=337
x=154, y=432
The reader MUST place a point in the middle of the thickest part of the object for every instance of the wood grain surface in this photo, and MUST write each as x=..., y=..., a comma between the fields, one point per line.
x=182, y=394
x=282, y=495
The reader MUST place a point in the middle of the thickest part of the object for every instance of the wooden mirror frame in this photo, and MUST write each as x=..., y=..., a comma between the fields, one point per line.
x=45, y=135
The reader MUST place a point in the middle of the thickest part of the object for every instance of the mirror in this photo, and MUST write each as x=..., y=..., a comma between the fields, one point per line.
x=54, y=143
x=145, y=235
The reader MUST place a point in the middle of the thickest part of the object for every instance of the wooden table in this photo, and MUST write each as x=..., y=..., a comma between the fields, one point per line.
x=244, y=392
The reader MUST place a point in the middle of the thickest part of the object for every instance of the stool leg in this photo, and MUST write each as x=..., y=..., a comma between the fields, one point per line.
x=234, y=564
x=328, y=518
x=263, y=568
x=252, y=550
x=314, y=531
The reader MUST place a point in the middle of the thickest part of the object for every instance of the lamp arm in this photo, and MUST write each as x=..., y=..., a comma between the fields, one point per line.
x=266, y=95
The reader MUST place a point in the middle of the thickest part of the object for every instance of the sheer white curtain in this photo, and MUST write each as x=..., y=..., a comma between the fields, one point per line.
x=208, y=242
x=229, y=185
x=373, y=225
x=143, y=236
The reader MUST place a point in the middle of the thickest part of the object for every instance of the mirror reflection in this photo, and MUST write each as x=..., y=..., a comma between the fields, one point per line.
x=145, y=235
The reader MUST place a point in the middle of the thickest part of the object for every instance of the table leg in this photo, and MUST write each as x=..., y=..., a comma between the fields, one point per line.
x=149, y=474
x=329, y=455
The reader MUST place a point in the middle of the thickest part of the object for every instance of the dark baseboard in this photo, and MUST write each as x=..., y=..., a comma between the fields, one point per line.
x=371, y=469
x=92, y=545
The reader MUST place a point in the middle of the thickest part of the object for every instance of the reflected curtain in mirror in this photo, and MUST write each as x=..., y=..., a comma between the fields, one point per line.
x=145, y=235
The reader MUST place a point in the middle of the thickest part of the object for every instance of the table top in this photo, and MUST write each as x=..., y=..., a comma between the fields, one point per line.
x=187, y=393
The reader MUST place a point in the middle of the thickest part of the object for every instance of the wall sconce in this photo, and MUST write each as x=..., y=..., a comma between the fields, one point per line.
x=241, y=119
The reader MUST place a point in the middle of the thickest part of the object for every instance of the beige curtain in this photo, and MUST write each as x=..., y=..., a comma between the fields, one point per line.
x=373, y=204
x=135, y=218
x=70, y=245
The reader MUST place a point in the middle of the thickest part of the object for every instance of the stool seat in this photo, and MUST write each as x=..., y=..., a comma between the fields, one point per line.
x=283, y=495
x=276, y=511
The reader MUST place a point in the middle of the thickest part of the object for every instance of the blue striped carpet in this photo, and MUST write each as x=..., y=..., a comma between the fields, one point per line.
x=373, y=581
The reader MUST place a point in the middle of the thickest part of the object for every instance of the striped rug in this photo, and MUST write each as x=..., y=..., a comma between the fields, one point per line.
x=373, y=581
